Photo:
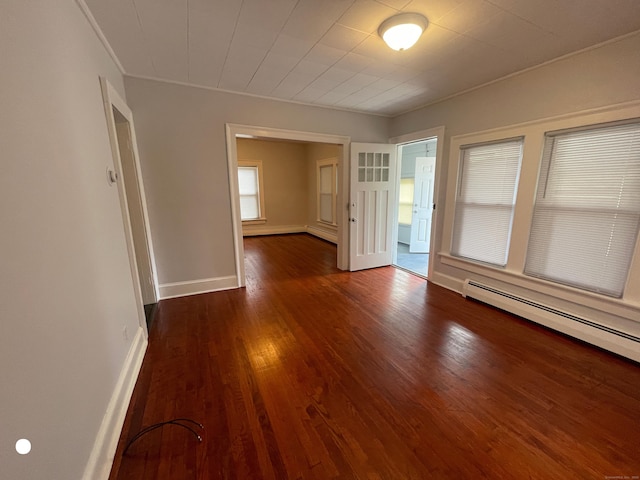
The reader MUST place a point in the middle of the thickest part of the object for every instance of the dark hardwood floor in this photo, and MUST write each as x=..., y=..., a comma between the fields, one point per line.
x=314, y=373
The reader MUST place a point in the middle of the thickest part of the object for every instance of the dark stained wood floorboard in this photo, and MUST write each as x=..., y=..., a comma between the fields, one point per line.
x=313, y=373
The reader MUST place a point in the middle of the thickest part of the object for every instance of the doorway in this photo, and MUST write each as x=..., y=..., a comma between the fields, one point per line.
x=127, y=176
x=233, y=132
x=416, y=185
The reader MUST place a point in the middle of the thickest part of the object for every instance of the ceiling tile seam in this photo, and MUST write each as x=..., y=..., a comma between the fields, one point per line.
x=271, y=46
x=329, y=67
x=358, y=91
x=325, y=71
x=486, y=44
x=355, y=29
x=381, y=2
x=375, y=32
x=301, y=59
x=144, y=36
x=318, y=42
x=298, y=63
x=520, y=72
x=352, y=76
x=226, y=55
x=254, y=95
x=521, y=18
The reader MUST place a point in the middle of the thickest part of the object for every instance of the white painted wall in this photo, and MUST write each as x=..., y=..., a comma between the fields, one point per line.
x=592, y=79
x=181, y=139
x=65, y=284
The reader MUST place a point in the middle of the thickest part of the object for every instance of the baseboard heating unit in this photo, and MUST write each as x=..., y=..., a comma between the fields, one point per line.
x=609, y=338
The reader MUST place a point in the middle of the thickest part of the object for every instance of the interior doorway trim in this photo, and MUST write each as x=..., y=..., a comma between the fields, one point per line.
x=112, y=100
x=438, y=134
x=234, y=131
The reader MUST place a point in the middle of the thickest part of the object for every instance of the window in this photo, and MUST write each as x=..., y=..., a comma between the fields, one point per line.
x=327, y=190
x=373, y=167
x=405, y=203
x=251, y=192
x=485, y=199
x=587, y=210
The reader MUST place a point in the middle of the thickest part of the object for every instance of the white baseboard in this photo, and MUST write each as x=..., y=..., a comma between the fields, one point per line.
x=446, y=281
x=251, y=230
x=323, y=234
x=104, y=448
x=194, y=287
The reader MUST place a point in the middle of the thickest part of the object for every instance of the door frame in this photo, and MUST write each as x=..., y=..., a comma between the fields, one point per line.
x=112, y=100
x=437, y=133
x=233, y=131
x=415, y=219
x=361, y=220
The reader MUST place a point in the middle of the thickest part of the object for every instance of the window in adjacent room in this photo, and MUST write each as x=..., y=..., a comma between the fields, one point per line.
x=251, y=191
x=405, y=201
x=485, y=199
x=587, y=210
x=327, y=172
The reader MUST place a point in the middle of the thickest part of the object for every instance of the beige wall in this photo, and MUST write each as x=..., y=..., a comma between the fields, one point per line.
x=593, y=79
x=284, y=173
x=290, y=184
x=66, y=291
x=181, y=138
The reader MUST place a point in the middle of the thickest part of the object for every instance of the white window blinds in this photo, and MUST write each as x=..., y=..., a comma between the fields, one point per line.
x=485, y=198
x=326, y=193
x=587, y=210
x=248, y=183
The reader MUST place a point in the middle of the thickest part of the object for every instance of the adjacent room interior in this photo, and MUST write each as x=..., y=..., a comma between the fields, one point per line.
x=211, y=210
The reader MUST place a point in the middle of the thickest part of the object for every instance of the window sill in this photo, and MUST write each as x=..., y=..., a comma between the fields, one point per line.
x=545, y=287
x=327, y=224
x=256, y=221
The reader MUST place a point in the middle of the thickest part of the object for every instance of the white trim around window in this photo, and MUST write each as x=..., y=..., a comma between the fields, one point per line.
x=251, y=188
x=327, y=191
x=587, y=210
x=485, y=200
x=535, y=133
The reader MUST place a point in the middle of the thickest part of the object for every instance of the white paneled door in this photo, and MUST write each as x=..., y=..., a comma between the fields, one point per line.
x=422, y=205
x=371, y=205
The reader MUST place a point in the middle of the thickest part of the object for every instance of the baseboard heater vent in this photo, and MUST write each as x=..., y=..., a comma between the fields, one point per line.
x=565, y=322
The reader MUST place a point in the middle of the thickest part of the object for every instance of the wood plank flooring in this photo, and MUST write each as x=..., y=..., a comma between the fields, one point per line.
x=314, y=373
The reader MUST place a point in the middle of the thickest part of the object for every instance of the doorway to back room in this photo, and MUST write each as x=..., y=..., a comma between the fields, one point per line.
x=417, y=165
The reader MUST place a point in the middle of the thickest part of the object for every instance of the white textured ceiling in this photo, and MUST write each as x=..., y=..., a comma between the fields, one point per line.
x=327, y=52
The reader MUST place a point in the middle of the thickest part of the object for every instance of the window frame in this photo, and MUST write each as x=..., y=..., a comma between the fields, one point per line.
x=462, y=152
x=406, y=205
x=575, y=208
x=262, y=218
x=455, y=270
x=324, y=163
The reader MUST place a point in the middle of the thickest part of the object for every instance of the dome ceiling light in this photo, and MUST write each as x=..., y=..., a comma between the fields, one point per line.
x=402, y=31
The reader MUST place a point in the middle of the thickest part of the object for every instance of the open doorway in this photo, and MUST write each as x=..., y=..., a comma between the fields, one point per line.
x=235, y=132
x=416, y=183
x=127, y=176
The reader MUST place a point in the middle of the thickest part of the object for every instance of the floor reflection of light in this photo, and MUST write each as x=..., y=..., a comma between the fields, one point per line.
x=460, y=344
x=265, y=354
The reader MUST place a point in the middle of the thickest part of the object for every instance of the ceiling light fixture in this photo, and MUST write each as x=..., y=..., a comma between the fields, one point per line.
x=402, y=31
